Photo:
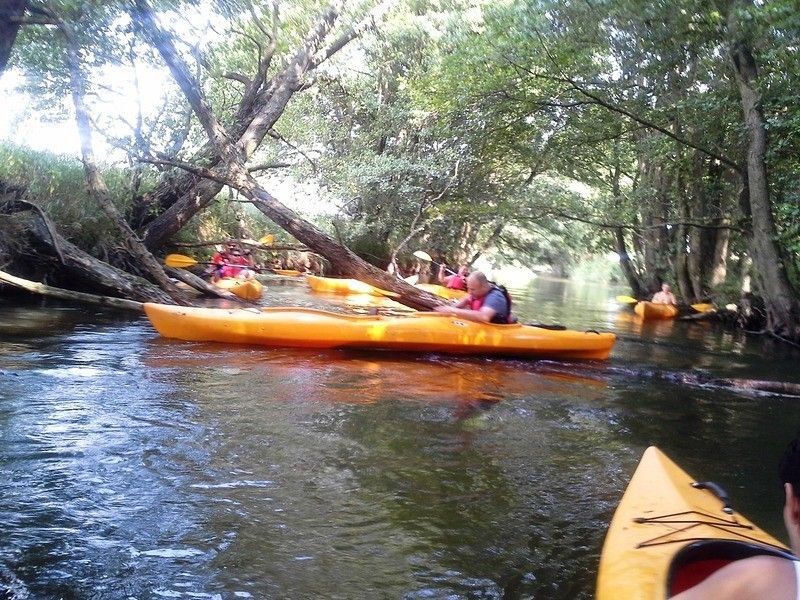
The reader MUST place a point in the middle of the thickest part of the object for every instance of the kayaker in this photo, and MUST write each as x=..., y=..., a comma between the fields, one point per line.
x=665, y=296
x=761, y=577
x=238, y=265
x=457, y=281
x=485, y=302
x=218, y=261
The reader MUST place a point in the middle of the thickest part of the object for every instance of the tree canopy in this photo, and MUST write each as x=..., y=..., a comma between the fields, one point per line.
x=533, y=131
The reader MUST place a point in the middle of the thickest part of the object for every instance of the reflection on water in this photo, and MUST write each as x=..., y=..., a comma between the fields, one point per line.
x=139, y=467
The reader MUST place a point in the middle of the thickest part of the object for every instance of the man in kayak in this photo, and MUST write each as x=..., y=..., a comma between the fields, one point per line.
x=761, y=577
x=456, y=281
x=665, y=296
x=485, y=302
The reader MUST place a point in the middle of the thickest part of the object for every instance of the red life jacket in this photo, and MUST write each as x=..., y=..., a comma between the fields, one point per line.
x=456, y=282
x=477, y=303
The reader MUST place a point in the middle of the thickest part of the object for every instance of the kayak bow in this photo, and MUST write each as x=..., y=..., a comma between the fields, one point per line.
x=670, y=532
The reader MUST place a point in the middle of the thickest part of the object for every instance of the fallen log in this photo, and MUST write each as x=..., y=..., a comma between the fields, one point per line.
x=54, y=292
x=779, y=388
x=81, y=266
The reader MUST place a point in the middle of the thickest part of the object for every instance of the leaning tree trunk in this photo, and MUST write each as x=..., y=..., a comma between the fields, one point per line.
x=95, y=183
x=780, y=299
x=11, y=13
x=341, y=258
x=176, y=201
x=231, y=171
x=626, y=264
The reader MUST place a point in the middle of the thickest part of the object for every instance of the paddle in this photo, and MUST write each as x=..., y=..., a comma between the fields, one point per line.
x=181, y=261
x=626, y=300
x=427, y=258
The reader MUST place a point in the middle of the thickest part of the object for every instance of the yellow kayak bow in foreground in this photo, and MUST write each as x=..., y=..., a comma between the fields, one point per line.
x=670, y=532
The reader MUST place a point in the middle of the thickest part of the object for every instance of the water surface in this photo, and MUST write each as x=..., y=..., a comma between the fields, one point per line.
x=139, y=467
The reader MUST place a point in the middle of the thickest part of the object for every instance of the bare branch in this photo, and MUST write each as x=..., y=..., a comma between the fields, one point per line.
x=237, y=77
x=267, y=166
x=277, y=136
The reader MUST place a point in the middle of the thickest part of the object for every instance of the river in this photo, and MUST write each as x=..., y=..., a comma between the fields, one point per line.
x=139, y=467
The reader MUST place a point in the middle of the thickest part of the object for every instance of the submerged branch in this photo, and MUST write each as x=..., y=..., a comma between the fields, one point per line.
x=54, y=292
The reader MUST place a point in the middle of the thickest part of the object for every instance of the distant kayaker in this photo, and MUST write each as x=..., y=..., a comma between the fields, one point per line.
x=485, y=302
x=665, y=296
x=239, y=265
x=219, y=260
x=456, y=281
x=760, y=577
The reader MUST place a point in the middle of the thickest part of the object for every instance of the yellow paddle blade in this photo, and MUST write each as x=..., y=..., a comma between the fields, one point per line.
x=180, y=261
x=703, y=307
x=626, y=300
x=387, y=293
x=423, y=256
x=267, y=240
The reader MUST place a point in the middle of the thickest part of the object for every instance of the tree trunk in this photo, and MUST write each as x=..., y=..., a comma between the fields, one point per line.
x=81, y=268
x=231, y=171
x=719, y=260
x=11, y=11
x=625, y=263
x=654, y=237
x=53, y=292
x=698, y=237
x=167, y=209
x=781, y=302
x=97, y=187
x=341, y=258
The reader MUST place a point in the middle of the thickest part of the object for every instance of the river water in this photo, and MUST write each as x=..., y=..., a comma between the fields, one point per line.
x=139, y=467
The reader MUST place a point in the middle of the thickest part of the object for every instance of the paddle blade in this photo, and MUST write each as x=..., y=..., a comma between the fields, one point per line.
x=423, y=256
x=179, y=261
x=386, y=293
x=267, y=240
x=703, y=307
x=626, y=300
x=412, y=279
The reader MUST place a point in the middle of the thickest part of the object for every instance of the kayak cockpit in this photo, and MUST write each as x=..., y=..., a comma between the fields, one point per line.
x=697, y=561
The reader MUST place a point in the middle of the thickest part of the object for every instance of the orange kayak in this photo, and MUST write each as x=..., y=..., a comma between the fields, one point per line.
x=651, y=310
x=670, y=533
x=442, y=291
x=344, y=286
x=422, y=332
x=247, y=289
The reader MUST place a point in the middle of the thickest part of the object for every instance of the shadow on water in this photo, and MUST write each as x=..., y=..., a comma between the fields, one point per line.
x=135, y=466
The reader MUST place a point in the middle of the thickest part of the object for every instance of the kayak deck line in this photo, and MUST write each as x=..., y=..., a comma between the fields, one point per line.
x=712, y=521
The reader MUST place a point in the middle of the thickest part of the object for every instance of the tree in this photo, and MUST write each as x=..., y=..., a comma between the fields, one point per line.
x=782, y=304
x=11, y=15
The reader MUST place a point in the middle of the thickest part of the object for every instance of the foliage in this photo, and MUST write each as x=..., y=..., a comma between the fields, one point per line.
x=57, y=184
x=523, y=130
